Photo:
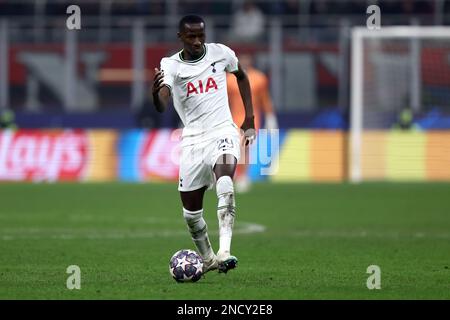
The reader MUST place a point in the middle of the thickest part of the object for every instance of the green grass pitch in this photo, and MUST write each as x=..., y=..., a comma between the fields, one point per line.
x=293, y=241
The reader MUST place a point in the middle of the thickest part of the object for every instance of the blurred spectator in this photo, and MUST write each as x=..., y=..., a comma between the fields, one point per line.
x=247, y=24
x=262, y=104
x=405, y=120
x=7, y=120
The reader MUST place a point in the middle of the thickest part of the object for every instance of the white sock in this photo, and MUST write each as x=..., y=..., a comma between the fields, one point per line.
x=225, y=212
x=199, y=232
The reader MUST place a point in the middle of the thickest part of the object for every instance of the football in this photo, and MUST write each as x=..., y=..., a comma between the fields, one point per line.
x=186, y=266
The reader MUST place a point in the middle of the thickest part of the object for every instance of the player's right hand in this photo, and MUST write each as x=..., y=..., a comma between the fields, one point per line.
x=158, y=81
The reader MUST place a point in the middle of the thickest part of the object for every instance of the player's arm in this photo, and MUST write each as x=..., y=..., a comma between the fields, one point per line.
x=244, y=88
x=160, y=91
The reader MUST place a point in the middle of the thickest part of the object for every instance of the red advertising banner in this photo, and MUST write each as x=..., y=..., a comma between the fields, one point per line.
x=159, y=155
x=36, y=155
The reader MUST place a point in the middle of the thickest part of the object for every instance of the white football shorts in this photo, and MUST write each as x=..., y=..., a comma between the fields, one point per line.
x=198, y=158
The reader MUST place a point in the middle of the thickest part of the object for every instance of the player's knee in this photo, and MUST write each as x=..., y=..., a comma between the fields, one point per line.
x=224, y=185
x=192, y=216
x=225, y=191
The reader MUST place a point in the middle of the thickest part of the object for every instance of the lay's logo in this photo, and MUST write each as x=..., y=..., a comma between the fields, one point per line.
x=43, y=155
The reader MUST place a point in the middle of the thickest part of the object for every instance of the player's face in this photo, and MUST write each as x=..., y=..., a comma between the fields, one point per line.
x=193, y=38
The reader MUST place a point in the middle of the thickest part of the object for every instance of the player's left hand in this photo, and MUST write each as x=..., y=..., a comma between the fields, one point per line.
x=249, y=130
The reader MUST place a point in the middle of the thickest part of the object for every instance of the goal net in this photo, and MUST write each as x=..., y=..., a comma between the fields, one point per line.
x=396, y=72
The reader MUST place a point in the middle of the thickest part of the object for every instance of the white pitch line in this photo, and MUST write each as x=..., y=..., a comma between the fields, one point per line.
x=93, y=234
x=368, y=234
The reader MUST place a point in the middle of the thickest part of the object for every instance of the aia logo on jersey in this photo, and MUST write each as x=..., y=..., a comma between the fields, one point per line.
x=200, y=87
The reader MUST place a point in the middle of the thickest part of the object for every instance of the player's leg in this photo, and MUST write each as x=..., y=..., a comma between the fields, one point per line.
x=195, y=178
x=193, y=215
x=224, y=170
x=243, y=183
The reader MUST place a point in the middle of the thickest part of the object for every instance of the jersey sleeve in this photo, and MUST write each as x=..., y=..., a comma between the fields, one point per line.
x=231, y=59
x=169, y=72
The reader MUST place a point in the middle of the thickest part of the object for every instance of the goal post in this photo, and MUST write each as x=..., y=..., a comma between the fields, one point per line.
x=387, y=67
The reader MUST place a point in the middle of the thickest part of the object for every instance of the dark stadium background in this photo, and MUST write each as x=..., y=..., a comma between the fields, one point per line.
x=87, y=178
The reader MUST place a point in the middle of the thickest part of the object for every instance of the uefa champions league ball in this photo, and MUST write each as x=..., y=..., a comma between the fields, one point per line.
x=186, y=266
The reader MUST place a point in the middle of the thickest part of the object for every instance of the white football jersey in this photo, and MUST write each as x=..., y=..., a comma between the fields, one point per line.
x=199, y=88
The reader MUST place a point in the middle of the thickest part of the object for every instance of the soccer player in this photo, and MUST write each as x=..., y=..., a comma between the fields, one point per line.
x=262, y=103
x=195, y=79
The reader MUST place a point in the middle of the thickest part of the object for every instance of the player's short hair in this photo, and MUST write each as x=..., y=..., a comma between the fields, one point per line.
x=188, y=20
